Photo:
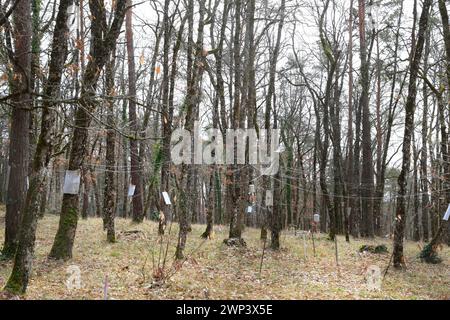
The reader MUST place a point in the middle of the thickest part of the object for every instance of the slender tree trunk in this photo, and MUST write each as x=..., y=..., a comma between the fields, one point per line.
x=109, y=200
x=393, y=102
x=350, y=178
x=86, y=187
x=326, y=105
x=126, y=179
x=416, y=230
x=425, y=205
x=151, y=189
x=135, y=166
x=398, y=258
x=188, y=199
x=166, y=125
x=355, y=218
x=379, y=163
x=276, y=217
x=209, y=208
x=367, y=168
x=234, y=192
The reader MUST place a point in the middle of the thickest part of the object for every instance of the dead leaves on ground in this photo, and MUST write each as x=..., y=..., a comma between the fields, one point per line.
x=217, y=271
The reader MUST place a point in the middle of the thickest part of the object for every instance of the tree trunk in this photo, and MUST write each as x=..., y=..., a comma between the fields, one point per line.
x=379, y=164
x=276, y=216
x=18, y=280
x=425, y=205
x=135, y=166
x=234, y=192
x=326, y=105
x=109, y=200
x=393, y=102
x=350, y=179
x=86, y=187
x=209, y=208
x=398, y=258
x=416, y=230
x=20, y=125
x=103, y=41
x=366, y=143
x=166, y=121
x=188, y=175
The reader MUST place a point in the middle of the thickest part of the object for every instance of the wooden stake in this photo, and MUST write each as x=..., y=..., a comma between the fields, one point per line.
x=262, y=256
x=304, y=244
x=105, y=288
x=314, y=245
x=336, y=250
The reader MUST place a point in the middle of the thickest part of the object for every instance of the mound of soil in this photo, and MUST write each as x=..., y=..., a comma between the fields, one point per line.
x=235, y=242
x=373, y=249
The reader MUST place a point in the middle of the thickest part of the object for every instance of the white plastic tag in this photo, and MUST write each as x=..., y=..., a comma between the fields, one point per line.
x=447, y=214
x=131, y=189
x=166, y=198
x=71, y=182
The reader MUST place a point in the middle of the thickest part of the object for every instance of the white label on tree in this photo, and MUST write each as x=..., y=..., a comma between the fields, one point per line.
x=249, y=209
x=71, y=182
x=131, y=189
x=166, y=198
x=269, y=198
x=252, y=188
x=280, y=149
x=316, y=217
x=447, y=214
x=28, y=183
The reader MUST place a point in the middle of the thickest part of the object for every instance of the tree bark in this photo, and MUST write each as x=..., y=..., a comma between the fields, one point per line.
x=398, y=258
x=188, y=175
x=210, y=208
x=276, y=215
x=18, y=280
x=20, y=125
x=393, y=102
x=234, y=190
x=350, y=178
x=166, y=121
x=135, y=165
x=109, y=200
x=103, y=41
x=366, y=143
x=425, y=205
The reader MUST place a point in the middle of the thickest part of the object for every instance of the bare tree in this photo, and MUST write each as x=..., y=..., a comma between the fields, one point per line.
x=135, y=165
x=103, y=40
x=19, y=148
x=366, y=142
x=400, y=215
x=18, y=280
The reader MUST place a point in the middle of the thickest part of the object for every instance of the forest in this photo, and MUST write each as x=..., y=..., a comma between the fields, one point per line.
x=234, y=149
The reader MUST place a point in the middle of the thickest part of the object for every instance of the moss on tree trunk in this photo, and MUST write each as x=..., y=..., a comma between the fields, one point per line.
x=63, y=244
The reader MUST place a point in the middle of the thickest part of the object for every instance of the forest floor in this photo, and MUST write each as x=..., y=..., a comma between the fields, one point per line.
x=214, y=271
